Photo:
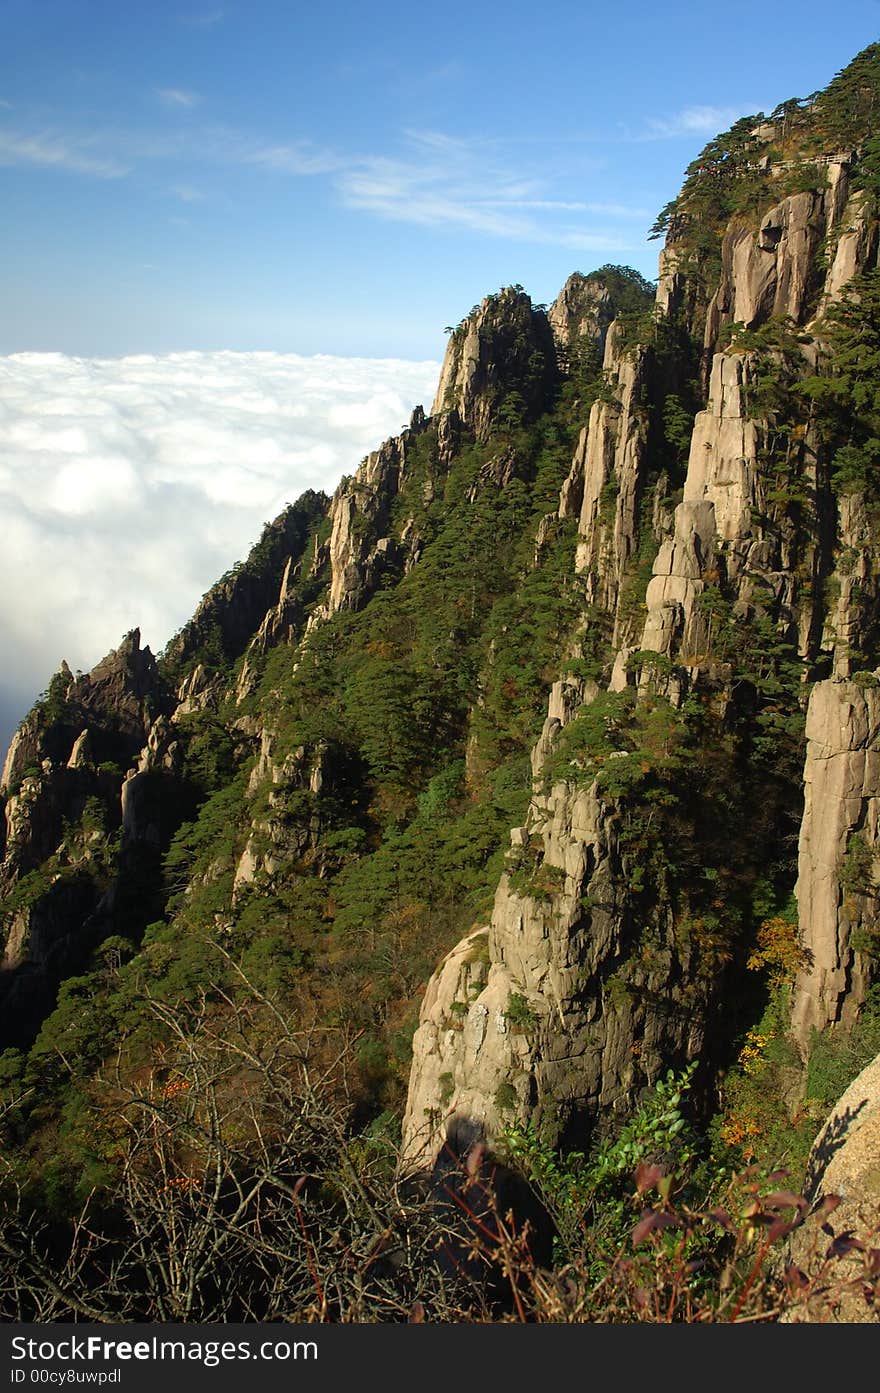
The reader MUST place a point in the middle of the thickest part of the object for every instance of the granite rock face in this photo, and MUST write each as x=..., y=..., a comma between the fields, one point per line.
x=844, y=1164
x=361, y=547
x=545, y=1030
x=504, y=346
x=582, y=313
x=65, y=794
x=103, y=717
x=768, y=272
x=775, y=271
x=551, y=1029
x=610, y=462
x=837, y=886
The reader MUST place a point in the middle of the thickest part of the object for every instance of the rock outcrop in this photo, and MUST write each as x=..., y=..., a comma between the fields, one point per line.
x=112, y=706
x=361, y=548
x=566, y=1004
x=504, y=349
x=775, y=272
x=66, y=795
x=233, y=609
x=579, y=1001
x=73, y=745
x=610, y=462
x=771, y=272
x=581, y=315
x=844, y=1166
x=838, y=885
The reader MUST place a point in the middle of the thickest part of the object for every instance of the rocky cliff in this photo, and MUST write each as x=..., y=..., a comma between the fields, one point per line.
x=618, y=592
x=583, y=992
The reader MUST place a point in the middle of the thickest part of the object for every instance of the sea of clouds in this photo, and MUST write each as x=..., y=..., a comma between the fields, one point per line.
x=129, y=485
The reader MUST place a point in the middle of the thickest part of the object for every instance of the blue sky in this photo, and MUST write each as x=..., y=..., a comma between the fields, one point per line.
x=349, y=178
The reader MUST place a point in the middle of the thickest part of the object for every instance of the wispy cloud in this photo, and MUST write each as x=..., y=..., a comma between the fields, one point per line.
x=204, y=19
x=50, y=150
x=177, y=98
x=412, y=193
x=432, y=180
x=695, y=120
x=186, y=193
x=611, y=210
x=300, y=157
x=447, y=181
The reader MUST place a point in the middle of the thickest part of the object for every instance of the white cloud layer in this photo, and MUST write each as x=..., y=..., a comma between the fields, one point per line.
x=128, y=486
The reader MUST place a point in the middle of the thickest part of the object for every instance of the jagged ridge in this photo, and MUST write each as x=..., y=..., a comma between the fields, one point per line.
x=363, y=695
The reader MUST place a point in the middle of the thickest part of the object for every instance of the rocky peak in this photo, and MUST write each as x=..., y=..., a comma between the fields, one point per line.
x=587, y=306
x=360, y=547
x=582, y=309
x=109, y=710
x=122, y=690
x=504, y=350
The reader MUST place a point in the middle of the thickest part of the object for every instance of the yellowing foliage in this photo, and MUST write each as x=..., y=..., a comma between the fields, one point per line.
x=779, y=949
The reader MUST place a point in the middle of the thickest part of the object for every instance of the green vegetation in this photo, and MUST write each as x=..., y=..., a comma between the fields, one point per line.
x=51, y=705
x=772, y=1106
x=846, y=396
x=184, y=1228
x=519, y=1015
x=589, y=1195
x=838, y=1055
x=375, y=834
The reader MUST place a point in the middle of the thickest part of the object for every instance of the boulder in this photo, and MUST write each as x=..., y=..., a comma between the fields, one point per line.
x=844, y=1163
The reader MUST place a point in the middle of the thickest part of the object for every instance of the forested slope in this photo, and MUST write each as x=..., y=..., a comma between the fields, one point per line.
x=618, y=593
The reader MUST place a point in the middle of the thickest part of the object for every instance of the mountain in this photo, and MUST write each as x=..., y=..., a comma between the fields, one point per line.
x=618, y=592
